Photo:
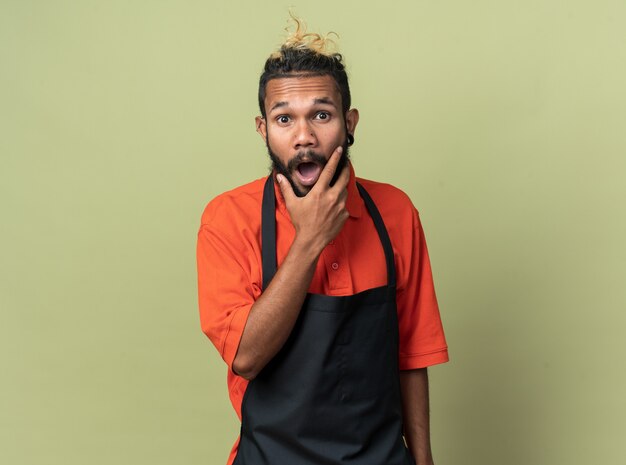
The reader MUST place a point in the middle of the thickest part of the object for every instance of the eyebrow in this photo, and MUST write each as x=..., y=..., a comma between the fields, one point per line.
x=278, y=105
x=324, y=100
x=317, y=101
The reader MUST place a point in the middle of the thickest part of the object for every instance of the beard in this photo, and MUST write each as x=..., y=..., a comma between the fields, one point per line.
x=306, y=155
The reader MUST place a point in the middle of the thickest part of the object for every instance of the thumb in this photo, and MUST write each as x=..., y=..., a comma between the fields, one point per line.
x=285, y=188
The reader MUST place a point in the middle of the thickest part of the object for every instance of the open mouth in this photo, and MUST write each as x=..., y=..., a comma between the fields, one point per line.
x=308, y=173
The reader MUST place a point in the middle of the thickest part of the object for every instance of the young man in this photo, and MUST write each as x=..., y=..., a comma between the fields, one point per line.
x=316, y=288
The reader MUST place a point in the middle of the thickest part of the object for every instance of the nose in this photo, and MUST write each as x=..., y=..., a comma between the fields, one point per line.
x=304, y=135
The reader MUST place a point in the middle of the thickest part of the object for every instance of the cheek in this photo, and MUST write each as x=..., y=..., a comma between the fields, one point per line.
x=278, y=135
x=279, y=147
x=336, y=135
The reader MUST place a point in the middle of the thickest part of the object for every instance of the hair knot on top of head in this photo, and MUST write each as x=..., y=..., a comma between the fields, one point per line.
x=300, y=39
x=306, y=54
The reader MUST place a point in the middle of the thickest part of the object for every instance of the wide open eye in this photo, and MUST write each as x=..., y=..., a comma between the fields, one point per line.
x=282, y=119
x=323, y=115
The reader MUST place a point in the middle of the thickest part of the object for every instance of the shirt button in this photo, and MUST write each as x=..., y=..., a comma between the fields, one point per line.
x=335, y=266
x=332, y=242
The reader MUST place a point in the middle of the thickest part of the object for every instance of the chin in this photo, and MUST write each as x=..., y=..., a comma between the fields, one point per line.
x=301, y=191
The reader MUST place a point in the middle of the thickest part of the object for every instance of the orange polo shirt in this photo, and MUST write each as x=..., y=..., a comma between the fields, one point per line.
x=230, y=272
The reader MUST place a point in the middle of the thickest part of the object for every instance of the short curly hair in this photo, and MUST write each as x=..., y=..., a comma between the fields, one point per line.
x=306, y=54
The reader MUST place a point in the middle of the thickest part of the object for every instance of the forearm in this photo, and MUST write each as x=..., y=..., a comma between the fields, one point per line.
x=317, y=218
x=274, y=314
x=415, y=406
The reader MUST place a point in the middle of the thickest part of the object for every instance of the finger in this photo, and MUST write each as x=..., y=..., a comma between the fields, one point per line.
x=343, y=195
x=329, y=170
x=285, y=188
x=343, y=179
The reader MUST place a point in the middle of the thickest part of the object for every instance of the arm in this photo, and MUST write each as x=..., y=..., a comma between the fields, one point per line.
x=318, y=217
x=414, y=388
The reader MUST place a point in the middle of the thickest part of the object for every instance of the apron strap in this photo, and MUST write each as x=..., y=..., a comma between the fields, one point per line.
x=382, y=233
x=268, y=233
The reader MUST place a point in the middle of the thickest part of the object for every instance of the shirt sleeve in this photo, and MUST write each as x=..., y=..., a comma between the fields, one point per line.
x=226, y=288
x=422, y=340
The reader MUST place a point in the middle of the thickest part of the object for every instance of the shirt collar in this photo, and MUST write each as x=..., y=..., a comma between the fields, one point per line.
x=354, y=202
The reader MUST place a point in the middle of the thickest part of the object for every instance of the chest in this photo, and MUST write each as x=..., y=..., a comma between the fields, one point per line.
x=353, y=262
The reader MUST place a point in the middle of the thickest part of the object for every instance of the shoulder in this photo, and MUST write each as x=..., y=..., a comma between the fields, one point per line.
x=400, y=216
x=237, y=206
x=390, y=200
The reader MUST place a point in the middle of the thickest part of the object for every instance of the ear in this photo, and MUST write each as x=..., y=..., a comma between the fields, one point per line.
x=261, y=127
x=352, y=119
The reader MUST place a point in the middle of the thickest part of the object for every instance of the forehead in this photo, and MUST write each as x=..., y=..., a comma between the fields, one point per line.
x=301, y=89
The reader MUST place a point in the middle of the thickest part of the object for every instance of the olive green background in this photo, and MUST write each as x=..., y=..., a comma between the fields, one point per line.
x=503, y=120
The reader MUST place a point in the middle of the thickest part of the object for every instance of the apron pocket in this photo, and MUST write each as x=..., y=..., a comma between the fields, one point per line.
x=368, y=361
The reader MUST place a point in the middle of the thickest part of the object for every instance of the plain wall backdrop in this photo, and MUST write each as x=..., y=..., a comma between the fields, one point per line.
x=504, y=121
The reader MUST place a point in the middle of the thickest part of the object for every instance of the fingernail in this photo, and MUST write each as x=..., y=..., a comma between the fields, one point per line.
x=339, y=149
x=279, y=178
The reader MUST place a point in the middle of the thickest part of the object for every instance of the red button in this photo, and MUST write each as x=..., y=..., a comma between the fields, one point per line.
x=335, y=266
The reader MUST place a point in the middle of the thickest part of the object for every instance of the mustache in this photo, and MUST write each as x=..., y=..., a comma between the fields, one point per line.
x=306, y=156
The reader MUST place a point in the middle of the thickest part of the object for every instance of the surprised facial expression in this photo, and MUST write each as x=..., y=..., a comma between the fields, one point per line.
x=304, y=124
